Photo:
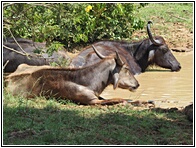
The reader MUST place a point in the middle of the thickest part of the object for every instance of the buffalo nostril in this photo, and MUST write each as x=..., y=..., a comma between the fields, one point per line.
x=136, y=86
x=177, y=68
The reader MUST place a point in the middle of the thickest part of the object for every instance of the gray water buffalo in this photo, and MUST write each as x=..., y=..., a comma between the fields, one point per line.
x=11, y=59
x=83, y=85
x=26, y=51
x=138, y=55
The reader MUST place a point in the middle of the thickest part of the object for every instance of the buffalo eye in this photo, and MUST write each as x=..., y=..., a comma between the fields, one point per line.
x=164, y=49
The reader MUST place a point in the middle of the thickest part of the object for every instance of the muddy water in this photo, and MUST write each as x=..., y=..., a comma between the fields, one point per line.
x=167, y=89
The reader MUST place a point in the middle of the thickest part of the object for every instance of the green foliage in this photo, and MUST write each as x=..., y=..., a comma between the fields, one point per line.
x=72, y=24
x=55, y=46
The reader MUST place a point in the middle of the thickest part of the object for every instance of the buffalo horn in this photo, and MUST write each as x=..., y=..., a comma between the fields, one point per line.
x=155, y=42
x=98, y=53
x=119, y=60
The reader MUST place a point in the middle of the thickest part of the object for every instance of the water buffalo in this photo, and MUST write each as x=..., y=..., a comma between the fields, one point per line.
x=24, y=51
x=83, y=85
x=138, y=55
x=11, y=59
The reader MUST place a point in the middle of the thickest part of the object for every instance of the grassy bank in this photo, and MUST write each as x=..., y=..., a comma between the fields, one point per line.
x=50, y=122
x=163, y=13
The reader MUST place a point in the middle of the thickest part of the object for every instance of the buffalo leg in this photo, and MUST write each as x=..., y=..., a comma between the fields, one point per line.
x=86, y=96
x=107, y=102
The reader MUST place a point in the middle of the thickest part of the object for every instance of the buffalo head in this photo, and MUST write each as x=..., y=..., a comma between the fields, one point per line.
x=160, y=54
x=121, y=76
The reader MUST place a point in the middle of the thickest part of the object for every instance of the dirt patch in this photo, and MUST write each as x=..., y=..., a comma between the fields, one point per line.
x=22, y=134
x=182, y=37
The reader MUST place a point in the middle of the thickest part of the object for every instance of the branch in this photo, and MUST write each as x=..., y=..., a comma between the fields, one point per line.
x=5, y=64
x=41, y=4
x=17, y=42
x=6, y=22
x=15, y=50
x=8, y=5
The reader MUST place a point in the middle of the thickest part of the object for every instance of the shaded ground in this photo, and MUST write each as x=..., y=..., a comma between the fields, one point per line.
x=68, y=124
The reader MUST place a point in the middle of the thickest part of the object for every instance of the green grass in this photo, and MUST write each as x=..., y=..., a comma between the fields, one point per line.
x=161, y=13
x=49, y=122
x=170, y=20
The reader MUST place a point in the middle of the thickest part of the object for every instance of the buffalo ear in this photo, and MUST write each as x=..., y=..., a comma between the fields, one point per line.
x=119, y=60
x=116, y=79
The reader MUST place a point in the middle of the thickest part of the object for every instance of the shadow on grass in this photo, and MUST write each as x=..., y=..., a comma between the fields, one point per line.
x=94, y=125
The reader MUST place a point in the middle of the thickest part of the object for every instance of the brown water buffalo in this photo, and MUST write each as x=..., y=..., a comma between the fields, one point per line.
x=83, y=85
x=15, y=53
x=138, y=55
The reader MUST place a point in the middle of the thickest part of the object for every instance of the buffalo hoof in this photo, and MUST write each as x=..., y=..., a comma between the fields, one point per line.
x=139, y=103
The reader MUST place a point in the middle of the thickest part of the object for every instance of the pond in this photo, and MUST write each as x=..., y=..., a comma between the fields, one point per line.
x=167, y=89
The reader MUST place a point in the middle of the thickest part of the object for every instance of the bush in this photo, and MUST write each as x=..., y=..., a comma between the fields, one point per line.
x=72, y=24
